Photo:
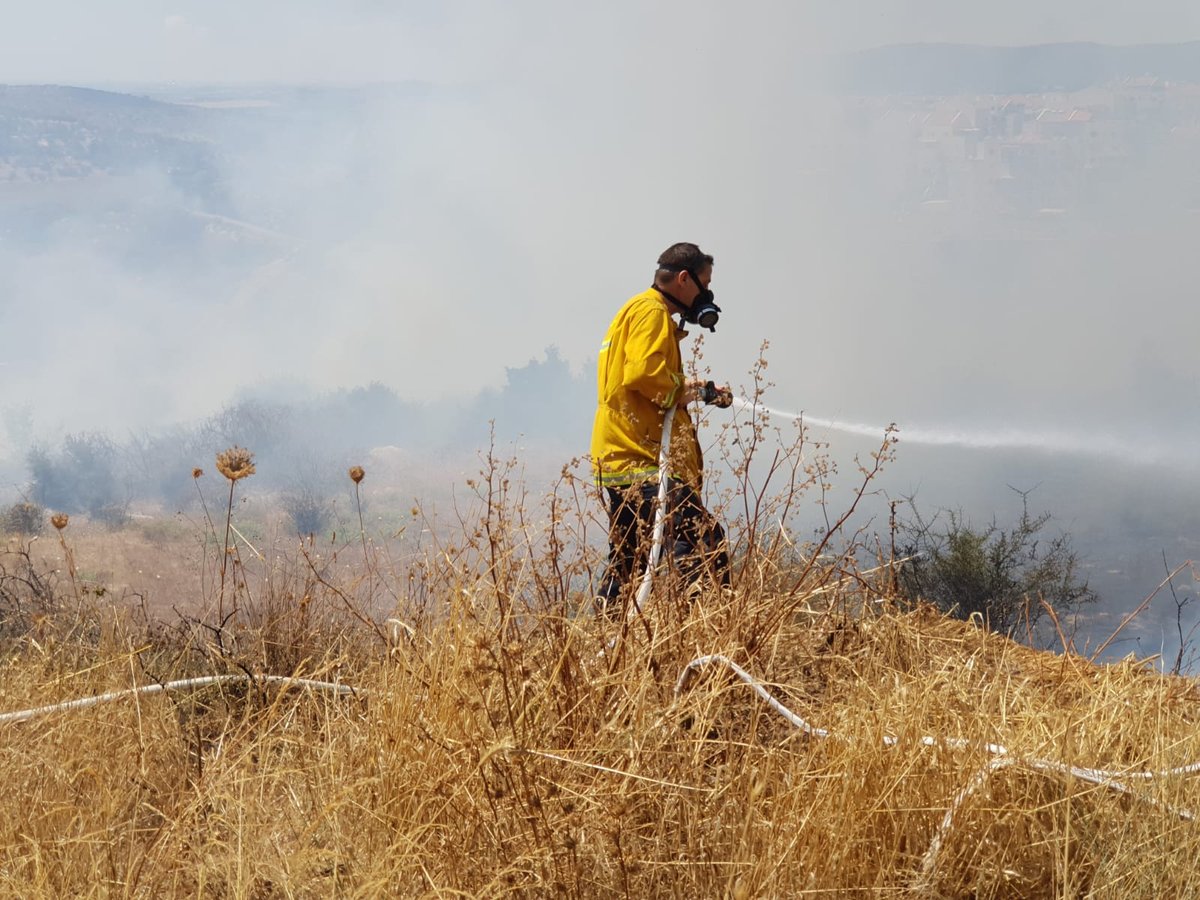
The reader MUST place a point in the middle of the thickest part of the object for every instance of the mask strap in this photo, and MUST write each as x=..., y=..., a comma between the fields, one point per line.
x=682, y=309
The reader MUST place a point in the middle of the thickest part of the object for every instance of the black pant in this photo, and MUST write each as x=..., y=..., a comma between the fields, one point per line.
x=694, y=541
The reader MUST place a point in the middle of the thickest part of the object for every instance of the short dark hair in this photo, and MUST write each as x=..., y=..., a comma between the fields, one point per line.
x=681, y=257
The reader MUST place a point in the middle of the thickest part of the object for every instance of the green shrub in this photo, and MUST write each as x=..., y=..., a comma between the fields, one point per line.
x=1001, y=574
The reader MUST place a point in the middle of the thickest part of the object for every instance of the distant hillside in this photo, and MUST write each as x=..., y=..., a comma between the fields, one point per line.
x=53, y=132
x=86, y=104
x=942, y=69
x=153, y=175
x=49, y=133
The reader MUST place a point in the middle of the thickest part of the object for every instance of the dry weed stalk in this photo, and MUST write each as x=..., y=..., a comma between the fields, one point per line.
x=357, y=473
x=60, y=522
x=235, y=464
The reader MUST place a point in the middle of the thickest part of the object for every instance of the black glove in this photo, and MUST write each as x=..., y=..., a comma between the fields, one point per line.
x=716, y=396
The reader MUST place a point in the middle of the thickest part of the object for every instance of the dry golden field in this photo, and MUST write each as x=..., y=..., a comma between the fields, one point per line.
x=477, y=732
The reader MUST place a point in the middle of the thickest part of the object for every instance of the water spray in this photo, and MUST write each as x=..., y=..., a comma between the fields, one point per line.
x=1094, y=445
x=710, y=394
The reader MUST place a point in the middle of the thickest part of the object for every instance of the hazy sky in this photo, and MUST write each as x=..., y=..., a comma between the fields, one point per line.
x=438, y=244
x=301, y=40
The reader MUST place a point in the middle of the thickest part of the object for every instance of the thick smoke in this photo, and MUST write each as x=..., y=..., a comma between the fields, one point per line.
x=506, y=180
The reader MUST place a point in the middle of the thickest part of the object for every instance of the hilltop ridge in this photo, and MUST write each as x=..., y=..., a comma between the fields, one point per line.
x=939, y=69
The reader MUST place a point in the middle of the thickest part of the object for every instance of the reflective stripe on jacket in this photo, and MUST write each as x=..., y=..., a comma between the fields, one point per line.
x=639, y=375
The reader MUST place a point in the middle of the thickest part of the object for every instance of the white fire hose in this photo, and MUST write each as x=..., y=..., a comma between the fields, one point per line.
x=664, y=485
x=660, y=515
x=26, y=714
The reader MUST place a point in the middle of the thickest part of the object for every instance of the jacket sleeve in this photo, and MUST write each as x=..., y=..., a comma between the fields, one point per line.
x=649, y=349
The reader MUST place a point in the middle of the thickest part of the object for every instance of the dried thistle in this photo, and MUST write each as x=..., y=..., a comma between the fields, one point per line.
x=235, y=463
x=196, y=473
x=356, y=475
x=60, y=520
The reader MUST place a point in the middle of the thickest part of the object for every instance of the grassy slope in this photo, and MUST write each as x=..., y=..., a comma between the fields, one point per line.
x=434, y=780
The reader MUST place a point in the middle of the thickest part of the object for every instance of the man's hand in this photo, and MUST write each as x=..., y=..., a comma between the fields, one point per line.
x=693, y=390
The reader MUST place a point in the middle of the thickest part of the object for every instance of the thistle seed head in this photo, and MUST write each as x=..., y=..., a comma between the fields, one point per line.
x=357, y=474
x=235, y=463
x=59, y=520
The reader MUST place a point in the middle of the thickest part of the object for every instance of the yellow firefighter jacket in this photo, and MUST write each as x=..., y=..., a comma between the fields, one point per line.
x=639, y=377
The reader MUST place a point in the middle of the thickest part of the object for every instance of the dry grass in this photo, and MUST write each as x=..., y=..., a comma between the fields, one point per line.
x=511, y=744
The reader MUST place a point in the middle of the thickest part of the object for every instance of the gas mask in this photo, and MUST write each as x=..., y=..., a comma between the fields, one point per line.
x=703, y=311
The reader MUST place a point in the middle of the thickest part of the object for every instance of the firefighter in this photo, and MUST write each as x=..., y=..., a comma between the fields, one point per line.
x=639, y=377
